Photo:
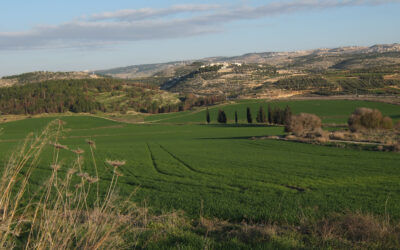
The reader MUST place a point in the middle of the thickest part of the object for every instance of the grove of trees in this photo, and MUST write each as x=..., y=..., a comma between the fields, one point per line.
x=85, y=95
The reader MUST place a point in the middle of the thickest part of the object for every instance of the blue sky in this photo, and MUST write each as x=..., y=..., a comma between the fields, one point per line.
x=79, y=35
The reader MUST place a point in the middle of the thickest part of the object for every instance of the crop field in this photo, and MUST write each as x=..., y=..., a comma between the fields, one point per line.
x=217, y=171
x=330, y=111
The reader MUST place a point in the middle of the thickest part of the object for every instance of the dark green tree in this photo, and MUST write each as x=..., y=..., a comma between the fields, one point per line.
x=287, y=115
x=278, y=115
x=208, y=116
x=221, y=116
x=236, y=117
x=270, y=115
x=261, y=117
x=249, y=118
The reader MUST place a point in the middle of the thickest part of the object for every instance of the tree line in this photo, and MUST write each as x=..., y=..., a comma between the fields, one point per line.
x=273, y=115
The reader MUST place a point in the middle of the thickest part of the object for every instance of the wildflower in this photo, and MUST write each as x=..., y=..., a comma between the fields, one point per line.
x=118, y=173
x=71, y=171
x=92, y=179
x=83, y=175
x=59, y=146
x=91, y=143
x=78, y=151
x=60, y=122
x=55, y=167
x=115, y=163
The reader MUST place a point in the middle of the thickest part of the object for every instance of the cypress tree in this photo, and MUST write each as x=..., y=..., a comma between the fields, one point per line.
x=249, y=118
x=208, y=116
x=287, y=115
x=221, y=116
x=278, y=114
x=224, y=117
x=261, y=115
x=281, y=116
x=236, y=117
x=270, y=115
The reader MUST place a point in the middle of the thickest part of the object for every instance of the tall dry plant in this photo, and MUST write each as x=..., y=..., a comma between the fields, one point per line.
x=59, y=215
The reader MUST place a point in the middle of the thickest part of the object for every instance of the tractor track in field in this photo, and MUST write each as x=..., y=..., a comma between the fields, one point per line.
x=155, y=166
x=241, y=188
x=235, y=186
x=149, y=181
x=190, y=168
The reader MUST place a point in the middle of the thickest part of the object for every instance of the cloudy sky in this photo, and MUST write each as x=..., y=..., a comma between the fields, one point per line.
x=80, y=35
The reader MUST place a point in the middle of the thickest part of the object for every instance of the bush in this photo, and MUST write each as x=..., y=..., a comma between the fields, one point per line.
x=303, y=124
x=365, y=118
x=387, y=123
x=397, y=126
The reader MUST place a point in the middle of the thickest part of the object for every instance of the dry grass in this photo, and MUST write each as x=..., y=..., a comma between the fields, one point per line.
x=59, y=215
x=248, y=233
x=351, y=230
x=356, y=231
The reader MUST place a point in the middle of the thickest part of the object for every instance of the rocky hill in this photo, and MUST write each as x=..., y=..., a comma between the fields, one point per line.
x=41, y=76
x=342, y=70
x=350, y=57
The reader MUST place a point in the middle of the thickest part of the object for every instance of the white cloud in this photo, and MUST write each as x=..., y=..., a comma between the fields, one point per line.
x=153, y=24
x=146, y=13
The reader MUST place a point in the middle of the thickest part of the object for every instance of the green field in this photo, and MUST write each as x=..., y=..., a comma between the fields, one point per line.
x=181, y=166
x=330, y=111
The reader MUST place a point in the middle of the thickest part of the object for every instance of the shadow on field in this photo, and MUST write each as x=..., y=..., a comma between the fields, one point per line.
x=395, y=116
x=239, y=125
x=226, y=138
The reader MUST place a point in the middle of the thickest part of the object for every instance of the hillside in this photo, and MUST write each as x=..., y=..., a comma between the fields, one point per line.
x=338, y=71
x=263, y=80
x=377, y=55
x=85, y=95
x=40, y=76
x=345, y=70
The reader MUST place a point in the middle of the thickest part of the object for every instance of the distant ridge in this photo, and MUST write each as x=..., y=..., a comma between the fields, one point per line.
x=322, y=58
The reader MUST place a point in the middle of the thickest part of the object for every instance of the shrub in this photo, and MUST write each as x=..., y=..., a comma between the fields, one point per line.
x=397, y=126
x=387, y=123
x=303, y=124
x=365, y=118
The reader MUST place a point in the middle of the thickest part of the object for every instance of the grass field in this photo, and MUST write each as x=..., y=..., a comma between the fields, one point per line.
x=330, y=111
x=180, y=167
x=176, y=162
